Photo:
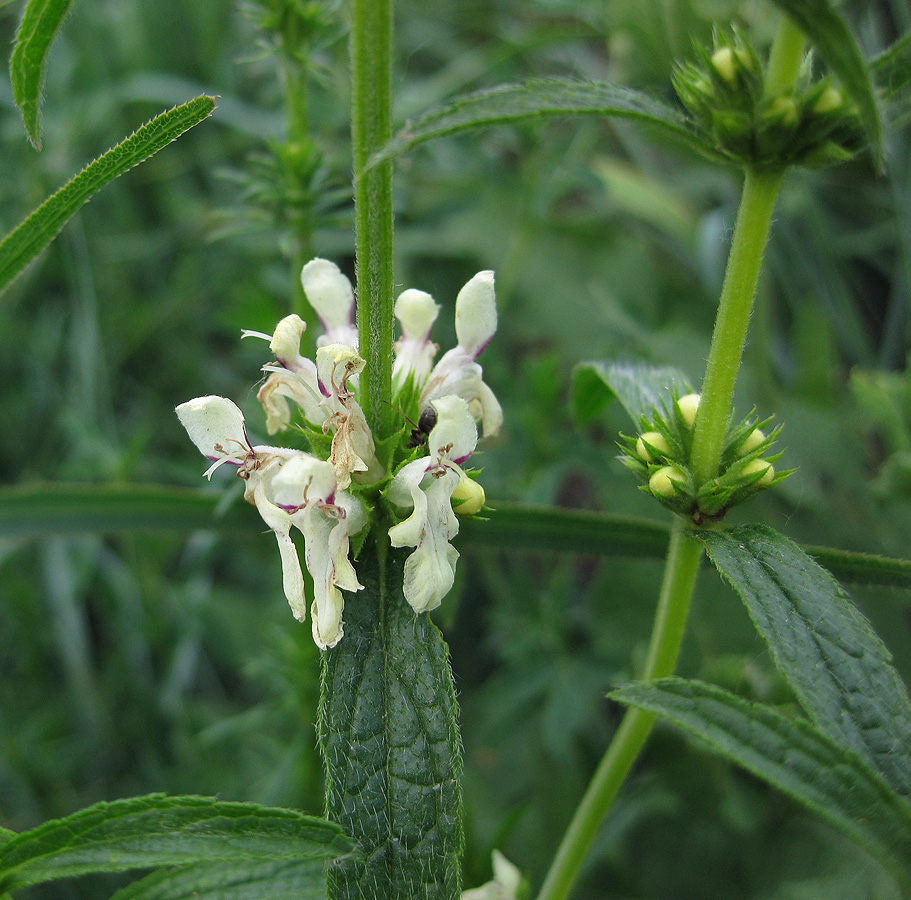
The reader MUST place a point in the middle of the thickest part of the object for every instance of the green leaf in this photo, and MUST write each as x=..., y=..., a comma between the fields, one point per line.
x=836, y=664
x=156, y=830
x=639, y=387
x=830, y=35
x=892, y=68
x=540, y=99
x=41, y=20
x=6, y=836
x=389, y=736
x=41, y=510
x=23, y=244
x=791, y=755
x=294, y=879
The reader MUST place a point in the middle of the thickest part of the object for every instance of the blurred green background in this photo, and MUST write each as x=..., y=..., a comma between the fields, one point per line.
x=147, y=661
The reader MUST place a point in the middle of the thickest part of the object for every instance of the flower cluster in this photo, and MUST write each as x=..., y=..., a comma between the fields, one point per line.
x=329, y=490
x=660, y=455
x=812, y=124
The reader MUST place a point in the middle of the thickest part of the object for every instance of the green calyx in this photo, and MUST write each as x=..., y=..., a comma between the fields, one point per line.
x=660, y=456
x=725, y=92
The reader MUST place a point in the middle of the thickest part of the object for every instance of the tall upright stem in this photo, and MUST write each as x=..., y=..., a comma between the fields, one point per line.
x=750, y=234
x=754, y=217
x=670, y=621
x=371, y=127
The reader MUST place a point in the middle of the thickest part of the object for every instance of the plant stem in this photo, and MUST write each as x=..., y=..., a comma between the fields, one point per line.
x=670, y=621
x=751, y=231
x=750, y=234
x=371, y=127
x=760, y=190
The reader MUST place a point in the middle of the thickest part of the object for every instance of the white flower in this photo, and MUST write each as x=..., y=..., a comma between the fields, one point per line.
x=427, y=485
x=289, y=488
x=416, y=312
x=306, y=488
x=457, y=372
x=330, y=294
x=507, y=880
x=292, y=377
x=216, y=426
x=353, y=448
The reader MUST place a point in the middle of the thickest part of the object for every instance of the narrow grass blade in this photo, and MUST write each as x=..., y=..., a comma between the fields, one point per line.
x=830, y=35
x=40, y=23
x=40, y=510
x=836, y=664
x=145, y=832
x=23, y=244
x=794, y=757
x=540, y=99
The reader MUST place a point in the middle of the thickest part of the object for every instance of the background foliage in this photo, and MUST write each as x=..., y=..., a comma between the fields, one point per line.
x=143, y=661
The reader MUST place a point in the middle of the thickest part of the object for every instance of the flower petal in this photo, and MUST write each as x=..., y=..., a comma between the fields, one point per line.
x=455, y=435
x=216, y=426
x=330, y=294
x=476, y=314
x=416, y=312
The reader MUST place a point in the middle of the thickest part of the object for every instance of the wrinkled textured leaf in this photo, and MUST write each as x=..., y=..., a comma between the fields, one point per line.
x=23, y=244
x=830, y=35
x=792, y=756
x=295, y=879
x=41, y=20
x=539, y=99
x=639, y=387
x=143, y=832
x=836, y=664
x=389, y=735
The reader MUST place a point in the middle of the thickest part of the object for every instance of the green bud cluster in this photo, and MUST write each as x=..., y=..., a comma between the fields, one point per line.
x=812, y=124
x=660, y=456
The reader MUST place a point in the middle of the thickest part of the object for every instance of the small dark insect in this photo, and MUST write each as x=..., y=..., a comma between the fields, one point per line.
x=426, y=422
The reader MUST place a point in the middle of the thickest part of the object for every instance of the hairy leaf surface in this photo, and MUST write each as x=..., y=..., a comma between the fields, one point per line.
x=791, y=755
x=836, y=664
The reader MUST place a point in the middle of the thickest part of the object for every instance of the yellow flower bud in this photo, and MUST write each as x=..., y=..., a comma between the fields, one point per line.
x=654, y=440
x=472, y=496
x=723, y=63
x=829, y=100
x=752, y=441
x=760, y=465
x=661, y=484
x=784, y=109
x=688, y=404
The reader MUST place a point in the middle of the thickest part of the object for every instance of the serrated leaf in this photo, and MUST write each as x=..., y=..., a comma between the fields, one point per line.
x=791, y=755
x=41, y=20
x=389, y=736
x=23, y=244
x=836, y=664
x=295, y=879
x=833, y=39
x=540, y=99
x=639, y=388
x=145, y=832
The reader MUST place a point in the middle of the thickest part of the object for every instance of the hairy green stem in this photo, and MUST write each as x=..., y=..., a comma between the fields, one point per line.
x=371, y=125
x=670, y=621
x=754, y=217
x=750, y=234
